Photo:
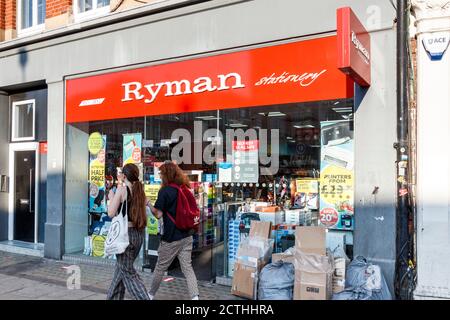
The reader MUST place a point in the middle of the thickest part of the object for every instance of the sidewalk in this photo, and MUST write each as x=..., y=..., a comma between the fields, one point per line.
x=26, y=277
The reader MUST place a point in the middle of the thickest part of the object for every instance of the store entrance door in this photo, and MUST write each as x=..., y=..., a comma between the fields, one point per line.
x=23, y=196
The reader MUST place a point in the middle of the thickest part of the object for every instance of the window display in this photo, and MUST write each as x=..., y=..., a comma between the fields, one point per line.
x=288, y=165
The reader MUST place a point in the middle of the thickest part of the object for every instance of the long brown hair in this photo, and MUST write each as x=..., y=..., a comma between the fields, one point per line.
x=171, y=173
x=138, y=213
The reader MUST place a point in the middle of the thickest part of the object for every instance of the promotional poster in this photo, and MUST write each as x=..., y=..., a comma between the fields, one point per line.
x=132, y=147
x=307, y=195
x=97, y=188
x=244, y=164
x=336, y=176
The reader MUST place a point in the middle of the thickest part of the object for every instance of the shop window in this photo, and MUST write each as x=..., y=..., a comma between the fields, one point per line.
x=23, y=120
x=302, y=176
x=88, y=9
x=31, y=16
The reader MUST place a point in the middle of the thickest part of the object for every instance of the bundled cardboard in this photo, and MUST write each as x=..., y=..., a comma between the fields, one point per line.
x=314, y=266
x=313, y=276
x=245, y=281
x=253, y=254
x=311, y=239
x=285, y=257
x=260, y=229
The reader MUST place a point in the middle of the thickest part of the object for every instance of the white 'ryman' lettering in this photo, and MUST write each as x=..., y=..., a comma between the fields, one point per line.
x=135, y=90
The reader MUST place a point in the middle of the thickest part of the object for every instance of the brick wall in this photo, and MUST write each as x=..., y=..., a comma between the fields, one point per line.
x=2, y=14
x=10, y=14
x=58, y=7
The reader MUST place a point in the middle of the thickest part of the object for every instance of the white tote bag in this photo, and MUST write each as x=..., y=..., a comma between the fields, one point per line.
x=117, y=240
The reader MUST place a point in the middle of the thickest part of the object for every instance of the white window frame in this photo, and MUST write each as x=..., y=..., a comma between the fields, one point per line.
x=35, y=28
x=90, y=14
x=13, y=120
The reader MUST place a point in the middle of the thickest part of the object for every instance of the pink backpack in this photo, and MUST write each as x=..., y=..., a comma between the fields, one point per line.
x=188, y=213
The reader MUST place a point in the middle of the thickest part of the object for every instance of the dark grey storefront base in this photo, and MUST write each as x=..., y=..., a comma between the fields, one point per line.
x=54, y=241
x=25, y=248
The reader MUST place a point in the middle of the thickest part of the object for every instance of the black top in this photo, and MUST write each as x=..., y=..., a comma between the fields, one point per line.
x=128, y=208
x=167, y=202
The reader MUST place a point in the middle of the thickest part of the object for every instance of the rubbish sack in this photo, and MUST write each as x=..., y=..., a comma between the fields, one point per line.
x=276, y=281
x=367, y=276
x=339, y=252
x=353, y=294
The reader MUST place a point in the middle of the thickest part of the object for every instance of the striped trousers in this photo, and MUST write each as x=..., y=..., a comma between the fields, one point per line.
x=167, y=252
x=125, y=275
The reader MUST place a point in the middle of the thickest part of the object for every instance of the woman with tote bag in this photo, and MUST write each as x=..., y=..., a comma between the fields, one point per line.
x=129, y=200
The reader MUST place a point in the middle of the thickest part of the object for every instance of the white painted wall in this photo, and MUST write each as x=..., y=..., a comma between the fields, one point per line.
x=433, y=155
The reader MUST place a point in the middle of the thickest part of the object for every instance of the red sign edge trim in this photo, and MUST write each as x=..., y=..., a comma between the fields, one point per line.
x=343, y=17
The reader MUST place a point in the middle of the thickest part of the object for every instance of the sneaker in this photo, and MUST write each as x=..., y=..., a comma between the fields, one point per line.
x=150, y=296
x=195, y=298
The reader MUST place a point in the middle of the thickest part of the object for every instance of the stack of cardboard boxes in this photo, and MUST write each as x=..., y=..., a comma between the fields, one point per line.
x=314, y=266
x=253, y=254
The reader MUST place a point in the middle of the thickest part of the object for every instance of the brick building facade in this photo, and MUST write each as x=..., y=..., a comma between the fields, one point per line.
x=60, y=13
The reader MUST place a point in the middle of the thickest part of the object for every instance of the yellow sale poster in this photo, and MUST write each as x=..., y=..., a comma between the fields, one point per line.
x=151, y=191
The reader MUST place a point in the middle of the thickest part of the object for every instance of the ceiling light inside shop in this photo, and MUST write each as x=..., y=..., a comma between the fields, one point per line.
x=276, y=114
x=343, y=110
x=237, y=125
x=303, y=126
x=206, y=117
x=289, y=138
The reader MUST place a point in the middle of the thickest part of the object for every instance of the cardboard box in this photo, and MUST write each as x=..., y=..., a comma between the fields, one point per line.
x=288, y=258
x=311, y=240
x=270, y=209
x=260, y=229
x=252, y=256
x=312, y=286
x=245, y=281
x=313, y=276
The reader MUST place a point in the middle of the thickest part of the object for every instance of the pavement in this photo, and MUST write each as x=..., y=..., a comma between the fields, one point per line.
x=25, y=277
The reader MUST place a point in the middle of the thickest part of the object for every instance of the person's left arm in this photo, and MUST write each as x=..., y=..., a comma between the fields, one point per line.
x=114, y=201
x=160, y=204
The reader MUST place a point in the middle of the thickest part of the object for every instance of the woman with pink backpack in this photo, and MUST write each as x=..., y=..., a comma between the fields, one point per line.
x=176, y=205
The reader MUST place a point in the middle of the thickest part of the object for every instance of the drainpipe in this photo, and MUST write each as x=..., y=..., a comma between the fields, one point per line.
x=402, y=212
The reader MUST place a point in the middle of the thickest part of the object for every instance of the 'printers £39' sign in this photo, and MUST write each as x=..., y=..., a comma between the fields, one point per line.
x=294, y=72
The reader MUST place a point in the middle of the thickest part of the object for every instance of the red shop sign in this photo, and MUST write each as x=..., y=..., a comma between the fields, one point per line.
x=43, y=147
x=295, y=72
x=353, y=47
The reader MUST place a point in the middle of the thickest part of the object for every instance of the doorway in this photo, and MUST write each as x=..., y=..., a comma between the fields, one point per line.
x=23, y=198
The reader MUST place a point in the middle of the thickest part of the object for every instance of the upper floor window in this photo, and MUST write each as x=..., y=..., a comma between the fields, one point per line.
x=87, y=9
x=23, y=120
x=31, y=16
